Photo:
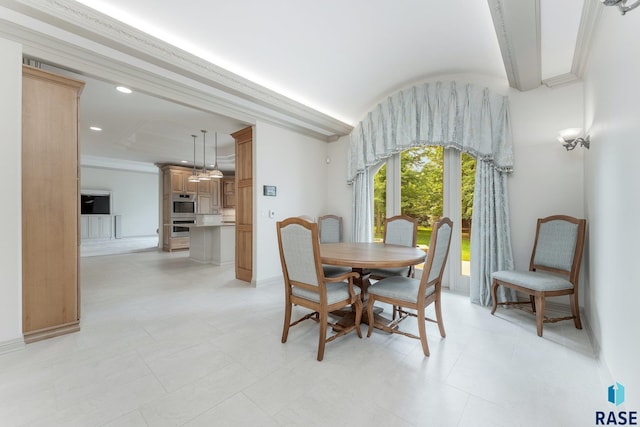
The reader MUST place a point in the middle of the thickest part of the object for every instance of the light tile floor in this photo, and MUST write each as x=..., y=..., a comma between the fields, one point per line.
x=169, y=342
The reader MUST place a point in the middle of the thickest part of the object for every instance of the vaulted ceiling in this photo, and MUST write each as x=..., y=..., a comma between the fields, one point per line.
x=317, y=66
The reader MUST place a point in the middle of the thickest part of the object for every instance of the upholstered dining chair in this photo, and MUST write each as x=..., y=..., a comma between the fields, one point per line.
x=398, y=230
x=553, y=269
x=408, y=293
x=306, y=285
x=330, y=228
x=330, y=231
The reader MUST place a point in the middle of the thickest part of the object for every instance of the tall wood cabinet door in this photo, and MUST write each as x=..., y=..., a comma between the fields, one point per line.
x=244, y=204
x=229, y=193
x=50, y=212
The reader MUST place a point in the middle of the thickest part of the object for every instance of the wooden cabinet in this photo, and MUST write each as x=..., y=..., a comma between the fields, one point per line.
x=208, y=200
x=229, y=192
x=50, y=205
x=175, y=180
x=180, y=182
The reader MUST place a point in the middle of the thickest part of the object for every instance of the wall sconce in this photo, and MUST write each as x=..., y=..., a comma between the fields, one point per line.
x=569, y=138
x=622, y=5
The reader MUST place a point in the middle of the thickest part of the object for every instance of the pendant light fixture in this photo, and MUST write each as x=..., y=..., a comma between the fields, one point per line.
x=216, y=173
x=204, y=176
x=194, y=174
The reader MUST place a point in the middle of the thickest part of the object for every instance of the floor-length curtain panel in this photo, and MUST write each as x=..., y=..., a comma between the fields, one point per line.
x=490, y=234
x=362, y=202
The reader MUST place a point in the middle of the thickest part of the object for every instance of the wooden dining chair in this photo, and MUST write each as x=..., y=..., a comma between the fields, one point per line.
x=330, y=228
x=553, y=269
x=306, y=285
x=407, y=293
x=330, y=231
x=398, y=230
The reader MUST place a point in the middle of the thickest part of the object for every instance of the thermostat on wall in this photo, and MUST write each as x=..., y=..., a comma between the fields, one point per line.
x=269, y=190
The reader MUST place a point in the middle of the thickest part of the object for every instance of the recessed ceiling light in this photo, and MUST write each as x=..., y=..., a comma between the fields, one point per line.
x=96, y=128
x=123, y=89
x=184, y=161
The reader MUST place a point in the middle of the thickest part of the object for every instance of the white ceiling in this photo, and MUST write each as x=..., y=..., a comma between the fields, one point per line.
x=337, y=57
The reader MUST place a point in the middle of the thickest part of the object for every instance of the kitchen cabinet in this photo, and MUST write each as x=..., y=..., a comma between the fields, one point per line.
x=180, y=182
x=50, y=205
x=208, y=200
x=175, y=180
x=229, y=192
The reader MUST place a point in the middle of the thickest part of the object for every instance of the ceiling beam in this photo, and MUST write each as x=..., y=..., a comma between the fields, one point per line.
x=517, y=25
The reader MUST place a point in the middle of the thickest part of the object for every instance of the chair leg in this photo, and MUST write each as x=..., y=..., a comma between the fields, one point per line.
x=539, y=299
x=287, y=322
x=439, y=318
x=575, y=309
x=533, y=303
x=370, y=315
x=494, y=296
x=358, y=304
x=323, y=335
x=422, y=329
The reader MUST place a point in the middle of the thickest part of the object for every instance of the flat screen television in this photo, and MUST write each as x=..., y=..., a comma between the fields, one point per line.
x=91, y=204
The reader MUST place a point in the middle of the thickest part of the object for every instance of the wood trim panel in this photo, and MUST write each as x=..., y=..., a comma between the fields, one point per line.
x=244, y=204
x=50, y=214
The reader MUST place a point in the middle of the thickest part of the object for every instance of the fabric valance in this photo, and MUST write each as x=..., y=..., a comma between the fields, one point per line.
x=462, y=116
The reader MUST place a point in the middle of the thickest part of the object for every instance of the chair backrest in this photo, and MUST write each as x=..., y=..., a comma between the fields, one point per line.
x=300, y=253
x=438, y=253
x=330, y=228
x=558, y=245
x=401, y=230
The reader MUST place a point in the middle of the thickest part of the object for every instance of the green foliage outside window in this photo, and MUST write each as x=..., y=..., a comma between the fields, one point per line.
x=421, y=180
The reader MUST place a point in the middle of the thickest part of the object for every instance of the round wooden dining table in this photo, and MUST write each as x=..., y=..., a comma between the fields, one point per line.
x=362, y=257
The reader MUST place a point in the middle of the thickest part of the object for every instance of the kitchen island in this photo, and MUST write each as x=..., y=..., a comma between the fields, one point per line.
x=213, y=243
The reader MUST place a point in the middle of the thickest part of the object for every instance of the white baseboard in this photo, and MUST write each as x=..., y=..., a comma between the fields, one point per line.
x=11, y=346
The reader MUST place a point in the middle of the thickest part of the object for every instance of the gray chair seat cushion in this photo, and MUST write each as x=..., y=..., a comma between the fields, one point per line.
x=335, y=292
x=399, y=287
x=334, y=270
x=535, y=280
x=388, y=272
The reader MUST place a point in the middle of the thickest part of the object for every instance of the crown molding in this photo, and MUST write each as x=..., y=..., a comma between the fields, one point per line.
x=236, y=95
x=591, y=12
x=117, y=164
x=561, y=80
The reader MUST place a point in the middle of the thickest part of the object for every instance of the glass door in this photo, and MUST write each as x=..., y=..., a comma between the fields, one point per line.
x=428, y=183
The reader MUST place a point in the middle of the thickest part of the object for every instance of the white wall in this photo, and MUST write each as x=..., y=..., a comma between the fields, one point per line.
x=296, y=165
x=547, y=179
x=612, y=112
x=339, y=193
x=10, y=152
x=134, y=196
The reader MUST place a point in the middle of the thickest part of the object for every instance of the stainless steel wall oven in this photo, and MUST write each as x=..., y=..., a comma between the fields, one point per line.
x=183, y=206
x=178, y=228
